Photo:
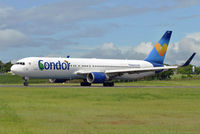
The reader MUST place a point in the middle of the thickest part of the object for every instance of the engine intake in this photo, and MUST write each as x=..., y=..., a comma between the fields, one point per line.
x=97, y=77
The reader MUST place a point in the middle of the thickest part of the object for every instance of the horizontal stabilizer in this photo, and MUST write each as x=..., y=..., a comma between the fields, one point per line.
x=189, y=60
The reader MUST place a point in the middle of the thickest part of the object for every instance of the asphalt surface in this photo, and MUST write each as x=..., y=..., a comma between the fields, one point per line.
x=98, y=86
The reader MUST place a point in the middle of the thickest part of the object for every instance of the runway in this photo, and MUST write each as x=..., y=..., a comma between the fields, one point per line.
x=95, y=86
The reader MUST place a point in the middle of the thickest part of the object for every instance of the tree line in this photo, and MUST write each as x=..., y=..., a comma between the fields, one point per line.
x=5, y=67
x=188, y=70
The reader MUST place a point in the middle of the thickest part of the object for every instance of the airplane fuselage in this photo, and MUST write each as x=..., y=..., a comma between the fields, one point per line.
x=67, y=68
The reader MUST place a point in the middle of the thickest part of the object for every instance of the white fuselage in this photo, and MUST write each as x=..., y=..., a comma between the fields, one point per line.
x=67, y=68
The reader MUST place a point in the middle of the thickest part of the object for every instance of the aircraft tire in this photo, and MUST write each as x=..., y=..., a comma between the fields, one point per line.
x=85, y=84
x=108, y=84
x=25, y=83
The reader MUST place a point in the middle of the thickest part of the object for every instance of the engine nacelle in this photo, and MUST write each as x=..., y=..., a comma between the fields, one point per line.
x=97, y=77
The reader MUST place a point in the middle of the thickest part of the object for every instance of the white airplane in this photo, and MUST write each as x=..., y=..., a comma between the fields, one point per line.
x=95, y=70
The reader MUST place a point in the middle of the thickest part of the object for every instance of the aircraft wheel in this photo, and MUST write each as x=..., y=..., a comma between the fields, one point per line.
x=85, y=84
x=26, y=83
x=108, y=84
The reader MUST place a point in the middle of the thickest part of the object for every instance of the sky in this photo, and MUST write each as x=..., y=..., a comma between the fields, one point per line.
x=98, y=28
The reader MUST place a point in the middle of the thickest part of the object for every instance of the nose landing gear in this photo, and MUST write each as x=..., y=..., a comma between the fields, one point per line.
x=26, y=81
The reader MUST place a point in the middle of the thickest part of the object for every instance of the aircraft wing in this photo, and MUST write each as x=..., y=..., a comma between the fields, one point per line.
x=83, y=72
x=117, y=72
x=135, y=70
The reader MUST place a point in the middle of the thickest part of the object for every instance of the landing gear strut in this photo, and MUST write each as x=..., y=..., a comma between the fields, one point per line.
x=26, y=81
x=85, y=84
x=108, y=84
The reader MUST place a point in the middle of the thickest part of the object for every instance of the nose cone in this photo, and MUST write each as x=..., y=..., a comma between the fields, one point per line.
x=13, y=69
x=16, y=69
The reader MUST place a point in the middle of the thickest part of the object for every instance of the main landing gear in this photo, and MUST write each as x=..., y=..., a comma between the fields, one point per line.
x=26, y=81
x=85, y=84
x=105, y=84
x=108, y=84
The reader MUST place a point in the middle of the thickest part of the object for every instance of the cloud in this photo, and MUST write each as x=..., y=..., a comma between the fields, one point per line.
x=65, y=18
x=107, y=50
x=181, y=50
x=94, y=31
x=63, y=23
x=74, y=11
x=5, y=12
x=110, y=50
x=195, y=36
x=186, y=3
x=67, y=15
x=177, y=52
x=12, y=38
x=59, y=43
x=189, y=17
x=139, y=51
x=173, y=4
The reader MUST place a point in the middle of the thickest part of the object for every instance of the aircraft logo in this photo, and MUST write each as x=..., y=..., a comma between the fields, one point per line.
x=161, y=49
x=53, y=66
x=41, y=66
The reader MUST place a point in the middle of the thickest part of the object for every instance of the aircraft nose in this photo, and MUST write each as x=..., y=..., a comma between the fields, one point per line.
x=17, y=69
x=14, y=69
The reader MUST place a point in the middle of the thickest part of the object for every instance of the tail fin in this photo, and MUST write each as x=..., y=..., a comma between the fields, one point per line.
x=158, y=53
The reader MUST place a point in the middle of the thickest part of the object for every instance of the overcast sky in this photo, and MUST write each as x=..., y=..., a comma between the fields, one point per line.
x=125, y=29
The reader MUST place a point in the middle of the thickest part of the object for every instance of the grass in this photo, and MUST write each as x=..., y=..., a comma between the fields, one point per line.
x=162, y=83
x=31, y=110
x=15, y=79
x=177, y=80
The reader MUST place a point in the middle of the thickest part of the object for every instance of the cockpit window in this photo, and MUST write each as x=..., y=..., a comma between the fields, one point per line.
x=20, y=63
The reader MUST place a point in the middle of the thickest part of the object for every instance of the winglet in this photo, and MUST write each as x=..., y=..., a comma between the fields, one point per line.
x=189, y=60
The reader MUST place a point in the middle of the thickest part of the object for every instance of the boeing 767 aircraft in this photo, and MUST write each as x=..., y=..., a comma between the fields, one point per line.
x=96, y=70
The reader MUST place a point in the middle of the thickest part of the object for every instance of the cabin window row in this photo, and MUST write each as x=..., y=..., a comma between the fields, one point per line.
x=20, y=63
x=94, y=66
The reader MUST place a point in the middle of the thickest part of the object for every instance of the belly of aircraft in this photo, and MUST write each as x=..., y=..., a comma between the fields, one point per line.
x=135, y=76
x=52, y=74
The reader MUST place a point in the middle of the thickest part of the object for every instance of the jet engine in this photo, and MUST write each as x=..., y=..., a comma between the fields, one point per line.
x=97, y=77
